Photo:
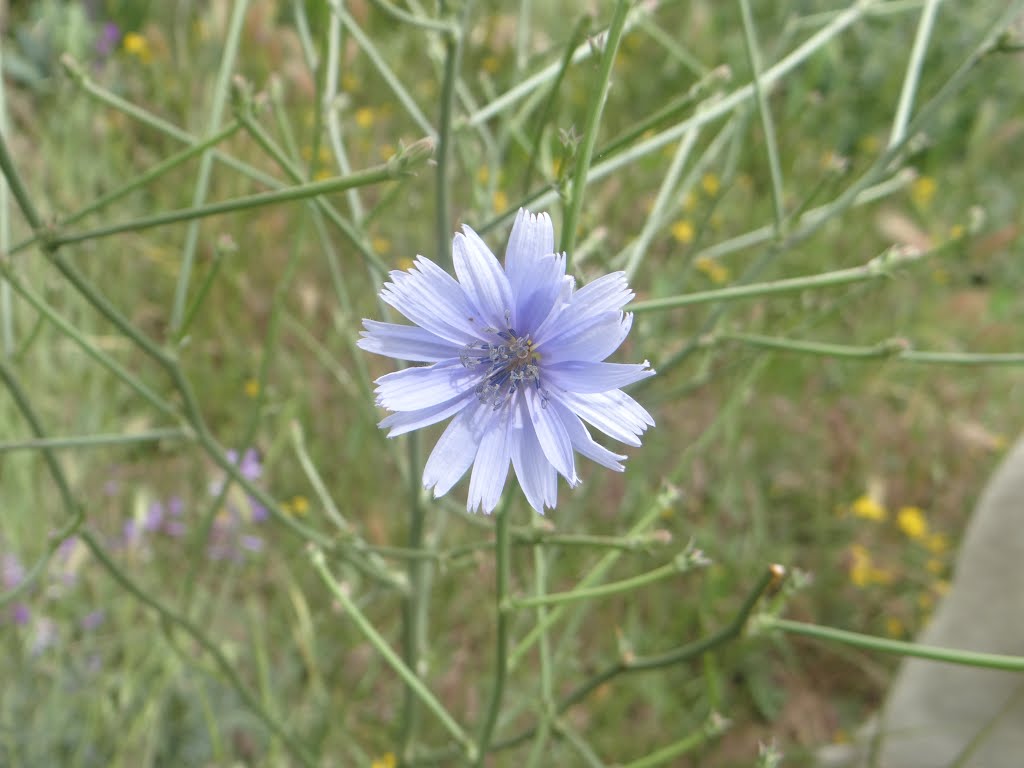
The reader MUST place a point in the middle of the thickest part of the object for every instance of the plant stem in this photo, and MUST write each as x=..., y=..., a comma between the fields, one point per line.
x=501, y=567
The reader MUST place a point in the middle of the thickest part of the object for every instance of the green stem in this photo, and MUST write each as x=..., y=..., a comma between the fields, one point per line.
x=712, y=728
x=680, y=565
x=895, y=349
x=341, y=594
x=413, y=617
x=445, y=138
x=913, y=76
x=767, y=125
x=384, y=172
x=220, y=98
x=593, y=122
x=444, y=27
x=881, y=266
x=97, y=440
x=897, y=647
x=501, y=640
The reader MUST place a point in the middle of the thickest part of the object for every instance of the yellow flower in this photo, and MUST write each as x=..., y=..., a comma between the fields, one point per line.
x=364, y=117
x=869, y=144
x=349, y=82
x=941, y=587
x=922, y=191
x=893, y=626
x=406, y=264
x=863, y=570
x=956, y=231
x=500, y=201
x=491, y=64
x=298, y=506
x=867, y=508
x=925, y=601
x=483, y=174
x=381, y=245
x=387, y=760
x=710, y=184
x=323, y=175
x=937, y=543
x=683, y=231
x=136, y=45
x=712, y=270
x=912, y=522
x=934, y=566
x=251, y=388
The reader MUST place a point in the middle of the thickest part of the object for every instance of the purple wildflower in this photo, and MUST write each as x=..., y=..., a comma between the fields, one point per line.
x=516, y=356
x=93, y=620
x=154, y=516
x=11, y=571
x=108, y=39
x=20, y=614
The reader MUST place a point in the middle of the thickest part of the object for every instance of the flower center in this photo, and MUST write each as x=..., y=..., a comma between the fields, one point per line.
x=505, y=365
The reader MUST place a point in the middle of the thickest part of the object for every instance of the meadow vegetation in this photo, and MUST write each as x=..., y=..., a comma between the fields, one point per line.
x=207, y=544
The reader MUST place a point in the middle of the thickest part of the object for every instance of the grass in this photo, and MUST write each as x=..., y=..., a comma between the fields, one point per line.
x=764, y=451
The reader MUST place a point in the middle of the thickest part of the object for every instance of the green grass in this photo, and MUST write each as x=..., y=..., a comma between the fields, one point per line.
x=766, y=449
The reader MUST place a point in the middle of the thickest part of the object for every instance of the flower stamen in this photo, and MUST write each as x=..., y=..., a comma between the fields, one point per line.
x=506, y=365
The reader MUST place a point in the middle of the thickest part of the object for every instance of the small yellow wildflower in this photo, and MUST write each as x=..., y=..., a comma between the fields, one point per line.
x=251, y=388
x=893, y=626
x=500, y=201
x=323, y=175
x=683, y=232
x=956, y=231
x=869, y=144
x=912, y=522
x=406, y=264
x=387, y=760
x=934, y=566
x=868, y=508
x=349, y=82
x=483, y=174
x=556, y=166
x=925, y=602
x=490, y=64
x=364, y=117
x=922, y=191
x=941, y=587
x=298, y=506
x=137, y=45
x=713, y=270
x=863, y=571
x=710, y=184
x=381, y=245
x=937, y=543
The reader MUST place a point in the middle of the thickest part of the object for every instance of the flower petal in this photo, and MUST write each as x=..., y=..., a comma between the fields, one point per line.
x=536, y=476
x=412, y=389
x=483, y=280
x=607, y=293
x=584, y=377
x=593, y=338
x=457, y=448
x=615, y=413
x=538, y=292
x=583, y=443
x=434, y=300
x=406, y=421
x=531, y=239
x=551, y=434
x=490, y=469
x=406, y=342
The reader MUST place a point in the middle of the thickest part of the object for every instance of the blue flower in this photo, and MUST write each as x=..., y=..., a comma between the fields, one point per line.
x=516, y=356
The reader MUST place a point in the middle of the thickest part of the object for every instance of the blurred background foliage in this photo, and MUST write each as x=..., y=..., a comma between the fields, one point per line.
x=858, y=472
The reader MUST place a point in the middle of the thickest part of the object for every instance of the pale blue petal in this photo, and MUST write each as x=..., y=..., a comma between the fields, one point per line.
x=406, y=342
x=583, y=443
x=539, y=291
x=406, y=421
x=592, y=340
x=536, y=476
x=552, y=324
x=531, y=239
x=490, y=469
x=483, y=280
x=607, y=293
x=584, y=377
x=615, y=413
x=551, y=434
x=434, y=300
x=457, y=447
x=415, y=388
